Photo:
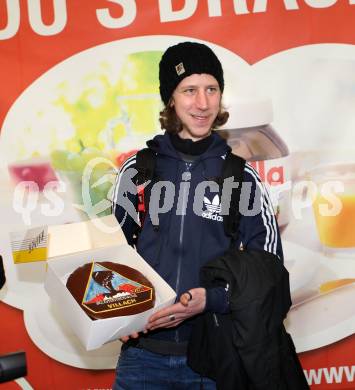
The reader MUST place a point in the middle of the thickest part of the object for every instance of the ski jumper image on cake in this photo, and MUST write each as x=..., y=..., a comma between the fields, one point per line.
x=107, y=289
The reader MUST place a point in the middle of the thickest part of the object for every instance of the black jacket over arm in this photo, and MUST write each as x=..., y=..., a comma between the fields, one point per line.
x=249, y=347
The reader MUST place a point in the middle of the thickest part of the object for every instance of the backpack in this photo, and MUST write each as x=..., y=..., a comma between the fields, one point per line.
x=145, y=165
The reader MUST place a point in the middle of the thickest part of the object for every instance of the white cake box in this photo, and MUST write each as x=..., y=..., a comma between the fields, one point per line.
x=94, y=244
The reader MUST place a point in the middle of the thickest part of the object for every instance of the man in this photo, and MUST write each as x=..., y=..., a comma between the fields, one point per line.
x=189, y=154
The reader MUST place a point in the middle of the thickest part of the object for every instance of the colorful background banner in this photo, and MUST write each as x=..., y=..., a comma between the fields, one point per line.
x=79, y=82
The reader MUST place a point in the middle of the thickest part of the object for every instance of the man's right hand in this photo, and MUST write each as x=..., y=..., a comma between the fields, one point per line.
x=133, y=335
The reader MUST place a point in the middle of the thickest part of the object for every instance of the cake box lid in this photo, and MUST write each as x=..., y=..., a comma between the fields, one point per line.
x=86, y=235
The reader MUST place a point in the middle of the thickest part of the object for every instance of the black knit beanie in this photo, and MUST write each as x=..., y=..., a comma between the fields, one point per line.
x=183, y=60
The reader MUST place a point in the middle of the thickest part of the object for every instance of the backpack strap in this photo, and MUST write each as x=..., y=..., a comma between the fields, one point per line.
x=145, y=165
x=233, y=167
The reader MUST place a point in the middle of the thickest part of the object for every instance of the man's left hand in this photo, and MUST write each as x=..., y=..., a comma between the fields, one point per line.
x=190, y=303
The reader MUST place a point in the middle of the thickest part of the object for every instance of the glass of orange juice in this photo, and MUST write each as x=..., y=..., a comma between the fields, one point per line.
x=334, y=206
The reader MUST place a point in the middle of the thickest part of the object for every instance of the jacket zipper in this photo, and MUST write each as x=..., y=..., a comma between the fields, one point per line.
x=181, y=238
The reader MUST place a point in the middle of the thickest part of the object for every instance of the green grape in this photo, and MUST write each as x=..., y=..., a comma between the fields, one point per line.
x=59, y=159
x=98, y=194
x=89, y=154
x=74, y=162
x=78, y=161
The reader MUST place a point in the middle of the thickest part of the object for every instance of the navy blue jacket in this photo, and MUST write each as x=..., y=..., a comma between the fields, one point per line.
x=191, y=231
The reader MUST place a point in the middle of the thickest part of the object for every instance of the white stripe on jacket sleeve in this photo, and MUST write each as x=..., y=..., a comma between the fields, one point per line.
x=267, y=213
x=126, y=165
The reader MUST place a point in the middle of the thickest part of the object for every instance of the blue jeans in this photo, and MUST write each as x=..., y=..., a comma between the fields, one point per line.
x=139, y=369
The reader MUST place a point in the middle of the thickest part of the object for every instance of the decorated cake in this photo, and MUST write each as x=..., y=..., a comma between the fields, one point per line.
x=106, y=289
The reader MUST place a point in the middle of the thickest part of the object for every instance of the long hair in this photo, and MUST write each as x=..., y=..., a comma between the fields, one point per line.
x=170, y=122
